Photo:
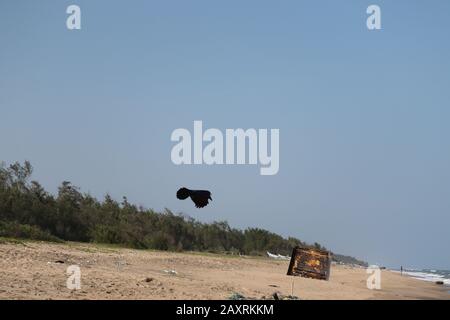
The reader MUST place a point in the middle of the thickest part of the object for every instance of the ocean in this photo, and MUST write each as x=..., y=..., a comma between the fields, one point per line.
x=429, y=275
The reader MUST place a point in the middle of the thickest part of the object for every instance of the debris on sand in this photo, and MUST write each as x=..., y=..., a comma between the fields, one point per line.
x=236, y=296
x=275, y=296
x=120, y=264
x=279, y=296
x=148, y=279
x=172, y=272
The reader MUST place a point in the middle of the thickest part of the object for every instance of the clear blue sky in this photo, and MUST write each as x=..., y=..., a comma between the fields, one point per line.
x=363, y=115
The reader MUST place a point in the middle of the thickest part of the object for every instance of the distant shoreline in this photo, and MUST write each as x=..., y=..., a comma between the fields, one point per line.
x=428, y=275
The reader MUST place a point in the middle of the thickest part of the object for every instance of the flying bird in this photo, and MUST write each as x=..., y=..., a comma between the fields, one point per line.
x=199, y=197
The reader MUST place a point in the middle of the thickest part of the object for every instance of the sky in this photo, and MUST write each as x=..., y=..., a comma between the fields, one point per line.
x=363, y=115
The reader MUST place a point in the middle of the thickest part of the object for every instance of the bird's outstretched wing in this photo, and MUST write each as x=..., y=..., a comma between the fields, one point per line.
x=200, y=197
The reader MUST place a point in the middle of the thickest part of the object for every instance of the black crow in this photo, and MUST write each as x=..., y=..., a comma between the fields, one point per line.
x=200, y=197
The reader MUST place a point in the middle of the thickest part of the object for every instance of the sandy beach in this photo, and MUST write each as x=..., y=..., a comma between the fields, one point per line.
x=37, y=270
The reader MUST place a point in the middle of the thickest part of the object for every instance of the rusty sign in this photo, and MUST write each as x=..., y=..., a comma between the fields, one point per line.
x=310, y=263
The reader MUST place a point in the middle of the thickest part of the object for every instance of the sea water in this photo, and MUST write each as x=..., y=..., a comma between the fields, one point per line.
x=430, y=275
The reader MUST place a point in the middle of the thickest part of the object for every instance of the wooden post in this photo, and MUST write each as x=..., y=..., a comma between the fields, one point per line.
x=292, y=287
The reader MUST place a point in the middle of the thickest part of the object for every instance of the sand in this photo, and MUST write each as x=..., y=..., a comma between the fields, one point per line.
x=37, y=270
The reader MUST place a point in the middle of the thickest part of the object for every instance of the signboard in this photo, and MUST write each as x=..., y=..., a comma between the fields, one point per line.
x=310, y=263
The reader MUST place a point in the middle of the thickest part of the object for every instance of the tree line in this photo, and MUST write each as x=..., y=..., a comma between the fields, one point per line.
x=27, y=210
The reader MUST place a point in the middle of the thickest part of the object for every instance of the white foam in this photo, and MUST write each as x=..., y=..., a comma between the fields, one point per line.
x=426, y=276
